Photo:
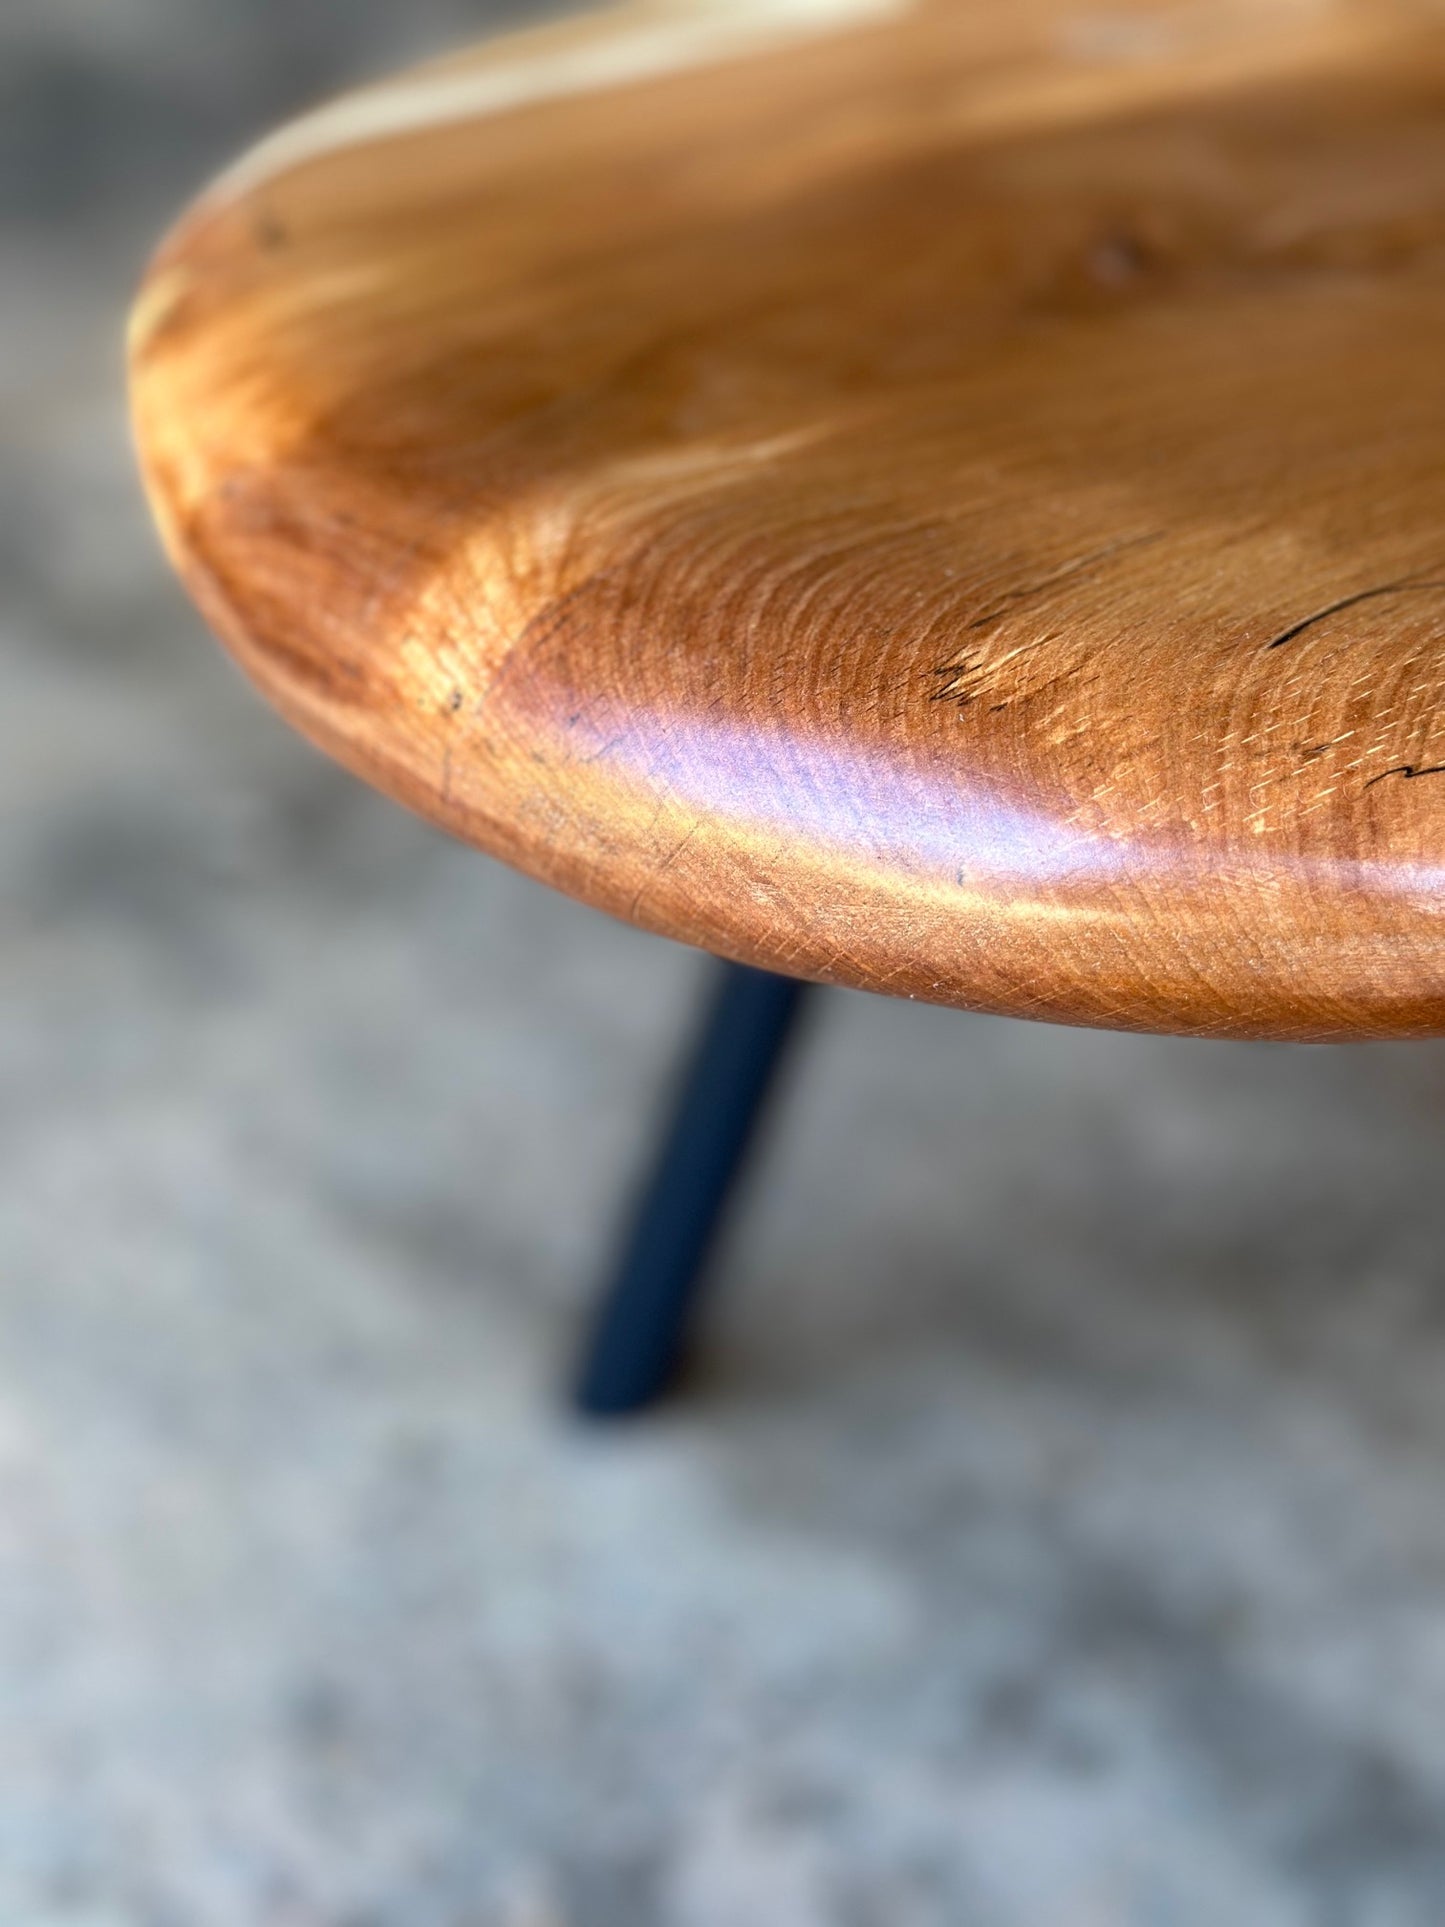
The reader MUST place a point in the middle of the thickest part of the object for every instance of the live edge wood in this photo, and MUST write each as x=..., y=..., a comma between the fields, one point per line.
x=948, y=499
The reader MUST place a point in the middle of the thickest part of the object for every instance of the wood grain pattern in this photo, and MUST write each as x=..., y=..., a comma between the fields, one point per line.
x=949, y=500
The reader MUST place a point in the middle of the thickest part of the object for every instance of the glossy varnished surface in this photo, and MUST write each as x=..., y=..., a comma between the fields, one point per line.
x=949, y=499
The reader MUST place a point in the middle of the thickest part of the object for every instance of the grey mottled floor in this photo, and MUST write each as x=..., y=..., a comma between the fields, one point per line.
x=1057, y=1534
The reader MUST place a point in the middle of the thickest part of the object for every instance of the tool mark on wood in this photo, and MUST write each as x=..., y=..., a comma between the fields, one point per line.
x=962, y=677
x=1065, y=572
x=1407, y=585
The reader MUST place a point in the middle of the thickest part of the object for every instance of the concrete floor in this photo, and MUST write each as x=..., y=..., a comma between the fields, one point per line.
x=1055, y=1536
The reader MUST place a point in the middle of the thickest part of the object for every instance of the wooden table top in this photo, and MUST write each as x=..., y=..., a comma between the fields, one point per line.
x=943, y=498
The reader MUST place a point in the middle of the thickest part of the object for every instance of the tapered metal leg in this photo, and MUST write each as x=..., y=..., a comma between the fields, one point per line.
x=638, y=1332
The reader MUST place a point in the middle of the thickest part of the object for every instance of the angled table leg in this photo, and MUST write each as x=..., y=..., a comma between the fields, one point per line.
x=640, y=1325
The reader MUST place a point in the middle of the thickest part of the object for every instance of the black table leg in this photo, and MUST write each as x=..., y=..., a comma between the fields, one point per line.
x=640, y=1325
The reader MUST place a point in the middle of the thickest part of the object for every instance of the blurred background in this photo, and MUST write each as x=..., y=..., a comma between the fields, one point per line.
x=1054, y=1533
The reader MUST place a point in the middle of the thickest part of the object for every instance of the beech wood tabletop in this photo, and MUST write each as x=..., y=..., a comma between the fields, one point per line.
x=944, y=498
